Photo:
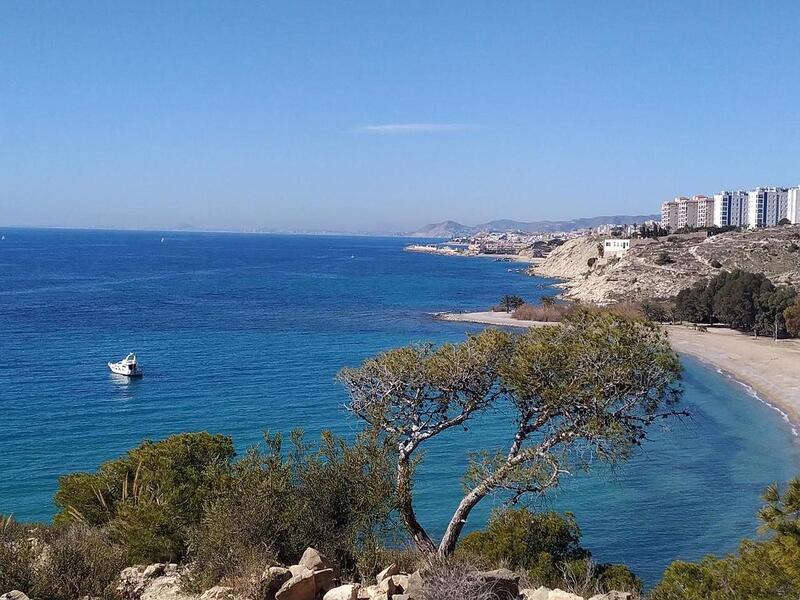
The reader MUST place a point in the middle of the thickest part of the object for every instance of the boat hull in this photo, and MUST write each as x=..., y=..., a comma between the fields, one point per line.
x=124, y=370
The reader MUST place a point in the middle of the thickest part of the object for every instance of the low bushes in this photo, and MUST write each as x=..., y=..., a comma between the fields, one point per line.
x=151, y=497
x=551, y=312
x=58, y=562
x=80, y=561
x=17, y=555
x=336, y=498
x=546, y=549
x=455, y=580
x=531, y=312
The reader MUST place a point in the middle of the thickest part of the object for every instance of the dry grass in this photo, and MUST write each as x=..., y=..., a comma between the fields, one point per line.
x=455, y=580
x=559, y=312
x=547, y=314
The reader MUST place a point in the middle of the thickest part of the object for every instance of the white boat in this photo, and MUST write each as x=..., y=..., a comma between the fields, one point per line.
x=127, y=366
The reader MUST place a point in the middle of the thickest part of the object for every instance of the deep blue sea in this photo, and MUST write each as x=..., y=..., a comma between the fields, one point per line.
x=244, y=333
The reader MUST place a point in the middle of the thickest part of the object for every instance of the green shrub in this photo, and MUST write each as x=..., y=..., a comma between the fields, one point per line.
x=545, y=547
x=80, y=561
x=152, y=495
x=664, y=259
x=524, y=540
x=336, y=498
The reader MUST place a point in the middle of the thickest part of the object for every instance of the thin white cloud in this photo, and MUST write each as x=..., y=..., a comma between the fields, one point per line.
x=395, y=128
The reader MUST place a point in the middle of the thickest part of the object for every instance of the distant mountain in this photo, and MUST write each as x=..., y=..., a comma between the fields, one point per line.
x=453, y=228
x=445, y=229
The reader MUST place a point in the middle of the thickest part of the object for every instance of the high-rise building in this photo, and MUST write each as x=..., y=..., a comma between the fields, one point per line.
x=766, y=206
x=687, y=212
x=730, y=208
x=669, y=215
x=705, y=211
x=793, y=205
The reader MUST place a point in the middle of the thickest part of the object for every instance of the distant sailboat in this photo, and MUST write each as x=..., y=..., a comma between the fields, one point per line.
x=162, y=240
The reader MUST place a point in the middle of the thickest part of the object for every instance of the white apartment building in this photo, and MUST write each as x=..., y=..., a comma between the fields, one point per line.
x=705, y=211
x=730, y=208
x=615, y=247
x=793, y=205
x=766, y=206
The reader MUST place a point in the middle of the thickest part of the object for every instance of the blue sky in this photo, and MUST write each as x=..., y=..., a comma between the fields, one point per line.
x=387, y=115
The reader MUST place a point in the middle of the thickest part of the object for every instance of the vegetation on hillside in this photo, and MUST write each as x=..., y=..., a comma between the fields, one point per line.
x=744, y=301
x=546, y=549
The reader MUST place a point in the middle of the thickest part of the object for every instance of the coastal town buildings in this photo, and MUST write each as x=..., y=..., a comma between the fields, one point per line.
x=730, y=209
x=669, y=214
x=704, y=211
x=793, y=205
x=761, y=207
x=687, y=212
x=766, y=206
x=697, y=211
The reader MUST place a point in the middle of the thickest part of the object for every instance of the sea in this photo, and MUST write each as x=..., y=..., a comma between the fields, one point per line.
x=244, y=333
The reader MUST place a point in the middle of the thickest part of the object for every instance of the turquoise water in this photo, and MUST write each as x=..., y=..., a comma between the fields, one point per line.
x=244, y=333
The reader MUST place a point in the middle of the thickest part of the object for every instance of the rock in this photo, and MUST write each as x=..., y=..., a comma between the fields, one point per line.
x=414, y=586
x=505, y=583
x=155, y=570
x=401, y=597
x=387, y=586
x=372, y=592
x=387, y=572
x=314, y=560
x=299, y=587
x=273, y=579
x=299, y=570
x=400, y=582
x=558, y=594
x=540, y=593
x=324, y=580
x=343, y=592
x=131, y=583
x=218, y=592
x=14, y=595
x=614, y=595
x=167, y=587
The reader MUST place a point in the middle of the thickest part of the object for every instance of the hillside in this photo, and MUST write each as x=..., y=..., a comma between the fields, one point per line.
x=453, y=228
x=636, y=276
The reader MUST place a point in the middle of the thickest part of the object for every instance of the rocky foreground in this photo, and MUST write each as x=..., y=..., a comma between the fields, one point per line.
x=657, y=269
x=317, y=578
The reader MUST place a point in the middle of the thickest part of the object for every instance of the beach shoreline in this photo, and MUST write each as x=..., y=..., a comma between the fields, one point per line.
x=769, y=370
x=488, y=317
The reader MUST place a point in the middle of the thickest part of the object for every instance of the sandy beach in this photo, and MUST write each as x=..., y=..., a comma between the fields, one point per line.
x=488, y=317
x=771, y=369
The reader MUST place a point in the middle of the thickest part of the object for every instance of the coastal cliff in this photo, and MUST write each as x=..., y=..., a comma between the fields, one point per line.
x=657, y=269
